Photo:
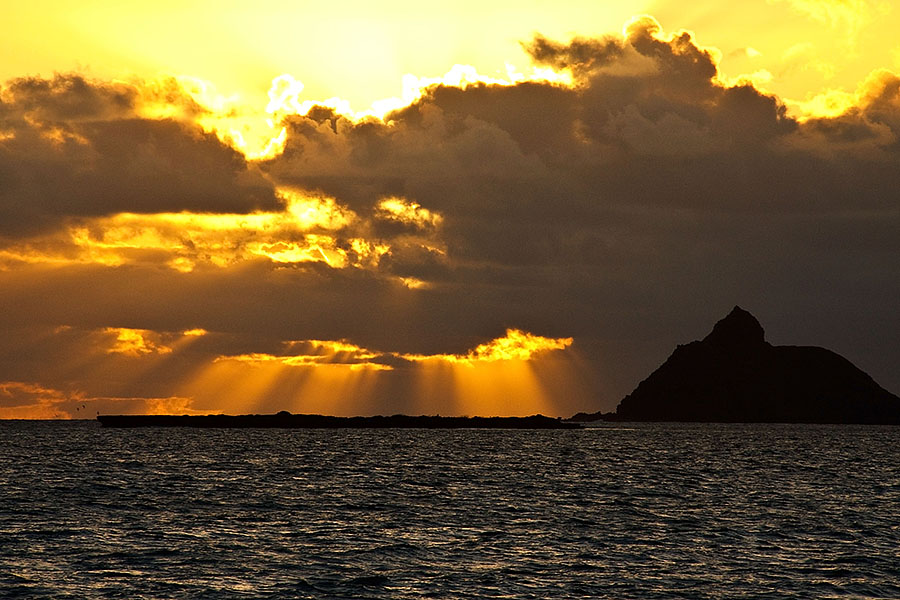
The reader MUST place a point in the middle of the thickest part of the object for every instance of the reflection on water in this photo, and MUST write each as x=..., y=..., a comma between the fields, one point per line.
x=662, y=511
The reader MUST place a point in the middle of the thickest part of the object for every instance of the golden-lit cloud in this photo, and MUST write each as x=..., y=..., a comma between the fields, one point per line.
x=414, y=283
x=403, y=211
x=305, y=230
x=139, y=342
x=135, y=342
x=316, y=353
x=515, y=345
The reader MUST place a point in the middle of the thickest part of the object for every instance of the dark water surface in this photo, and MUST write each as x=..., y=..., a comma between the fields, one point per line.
x=644, y=511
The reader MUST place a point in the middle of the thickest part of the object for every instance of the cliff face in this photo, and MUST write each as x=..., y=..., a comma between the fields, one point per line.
x=734, y=375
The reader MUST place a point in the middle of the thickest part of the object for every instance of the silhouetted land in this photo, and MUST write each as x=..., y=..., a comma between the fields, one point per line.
x=287, y=420
x=734, y=376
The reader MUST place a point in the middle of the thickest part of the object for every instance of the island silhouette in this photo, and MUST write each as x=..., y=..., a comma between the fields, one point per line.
x=287, y=420
x=734, y=375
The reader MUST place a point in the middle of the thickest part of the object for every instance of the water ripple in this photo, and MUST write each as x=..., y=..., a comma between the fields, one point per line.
x=645, y=511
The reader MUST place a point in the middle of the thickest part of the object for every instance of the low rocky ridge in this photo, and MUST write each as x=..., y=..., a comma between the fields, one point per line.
x=286, y=420
x=734, y=375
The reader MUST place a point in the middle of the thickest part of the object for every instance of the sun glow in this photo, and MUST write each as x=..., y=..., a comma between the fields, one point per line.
x=498, y=377
x=340, y=377
x=285, y=92
x=267, y=383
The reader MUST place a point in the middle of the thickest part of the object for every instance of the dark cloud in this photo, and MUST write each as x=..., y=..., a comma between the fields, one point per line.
x=67, y=98
x=581, y=55
x=73, y=148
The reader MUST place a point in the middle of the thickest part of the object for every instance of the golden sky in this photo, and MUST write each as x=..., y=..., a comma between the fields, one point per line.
x=483, y=208
x=361, y=50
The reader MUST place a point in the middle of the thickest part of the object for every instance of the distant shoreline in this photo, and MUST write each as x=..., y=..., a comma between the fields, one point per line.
x=286, y=420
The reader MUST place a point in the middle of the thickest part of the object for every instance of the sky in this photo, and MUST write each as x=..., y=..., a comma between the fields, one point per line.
x=494, y=208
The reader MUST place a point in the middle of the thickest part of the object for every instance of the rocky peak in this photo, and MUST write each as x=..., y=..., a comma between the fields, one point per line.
x=738, y=329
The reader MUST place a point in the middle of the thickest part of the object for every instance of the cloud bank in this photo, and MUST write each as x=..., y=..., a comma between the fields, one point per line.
x=622, y=208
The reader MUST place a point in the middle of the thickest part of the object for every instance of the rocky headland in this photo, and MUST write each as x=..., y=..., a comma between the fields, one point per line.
x=735, y=375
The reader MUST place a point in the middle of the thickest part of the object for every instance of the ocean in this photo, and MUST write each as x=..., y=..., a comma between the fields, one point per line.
x=617, y=511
